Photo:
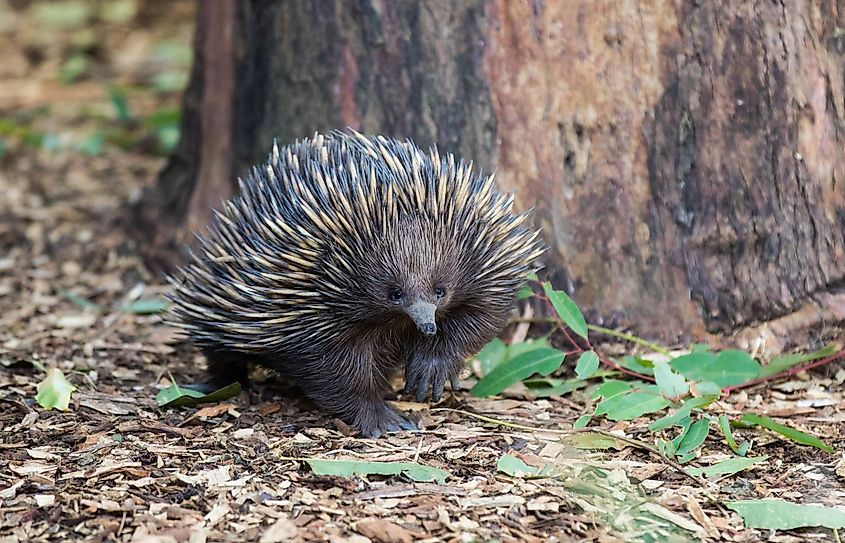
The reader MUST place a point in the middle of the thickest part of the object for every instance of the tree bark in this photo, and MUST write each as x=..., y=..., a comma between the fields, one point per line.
x=685, y=160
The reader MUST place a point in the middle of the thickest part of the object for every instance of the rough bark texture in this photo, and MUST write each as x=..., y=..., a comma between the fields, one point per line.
x=686, y=160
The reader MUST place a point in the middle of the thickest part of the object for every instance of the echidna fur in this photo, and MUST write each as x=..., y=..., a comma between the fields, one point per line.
x=346, y=257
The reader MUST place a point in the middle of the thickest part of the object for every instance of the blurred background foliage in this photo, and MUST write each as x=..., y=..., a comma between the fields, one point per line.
x=82, y=75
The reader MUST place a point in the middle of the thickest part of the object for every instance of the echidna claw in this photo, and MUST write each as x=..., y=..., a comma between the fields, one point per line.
x=402, y=426
x=429, y=376
x=455, y=382
x=437, y=388
x=422, y=387
x=408, y=425
x=376, y=420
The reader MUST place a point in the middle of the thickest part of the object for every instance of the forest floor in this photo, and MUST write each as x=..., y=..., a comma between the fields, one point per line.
x=115, y=467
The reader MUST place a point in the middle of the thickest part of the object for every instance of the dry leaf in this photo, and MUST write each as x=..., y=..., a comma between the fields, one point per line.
x=81, y=320
x=384, y=531
x=10, y=492
x=45, y=500
x=281, y=531
x=213, y=410
x=268, y=408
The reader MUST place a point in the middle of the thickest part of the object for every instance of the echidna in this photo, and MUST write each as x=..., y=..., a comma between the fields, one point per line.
x=346, y=257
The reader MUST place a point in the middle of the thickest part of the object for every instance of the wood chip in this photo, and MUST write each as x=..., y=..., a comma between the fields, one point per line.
x=384, y=531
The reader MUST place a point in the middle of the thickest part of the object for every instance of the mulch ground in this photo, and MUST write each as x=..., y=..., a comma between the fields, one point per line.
x=115, y=467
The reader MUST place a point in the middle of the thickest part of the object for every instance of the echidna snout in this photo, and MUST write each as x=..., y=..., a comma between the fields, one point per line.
x=422, y=313
x=345, y=258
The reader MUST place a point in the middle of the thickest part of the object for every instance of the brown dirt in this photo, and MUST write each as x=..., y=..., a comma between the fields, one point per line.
x=117, y=468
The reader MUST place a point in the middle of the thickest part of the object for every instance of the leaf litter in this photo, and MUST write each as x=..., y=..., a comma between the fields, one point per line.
x=76, y=301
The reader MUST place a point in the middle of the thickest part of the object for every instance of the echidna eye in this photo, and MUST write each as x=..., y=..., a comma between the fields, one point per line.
x=395, y=295
x=439, y=292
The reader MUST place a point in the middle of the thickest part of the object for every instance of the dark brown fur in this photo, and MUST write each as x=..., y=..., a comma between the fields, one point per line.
x=348, y=258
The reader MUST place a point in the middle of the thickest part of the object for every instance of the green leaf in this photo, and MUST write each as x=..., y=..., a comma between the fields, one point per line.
x=781, y=363
x=543, y=361
x=78, y=301
x=497, y=352
x=729, y=466
x=176, y=396
x=628, y=406
x=350, y=468
x=168, y=138
x=17, y=130
x=93, y=145
x=587, y=364
x=726, y=369
x=607, y=374
x=708, y=388
x=611, y=388
x=54, y=391
x=515, y=467
x=163, y=118
x=725, y=427
x=637, y=364
x=65, y=14
x=567, y=310
x=559, y=389
x=170, y=81
x=174, y=52
x=121, y=106
x=682, y=413
x=524, y=293
x=582, y=422
x=775, y=514
x=671, y=384
x=148, y=306
x=688, y=364
x=787, y=432
x=119, y=11
x=516, y=349
x=165, y=123
x=73, y=68
x=593, y=440
x=669, y=448
x=666, y=448
x=543, y=382
x=693, y=439
x=491, y=356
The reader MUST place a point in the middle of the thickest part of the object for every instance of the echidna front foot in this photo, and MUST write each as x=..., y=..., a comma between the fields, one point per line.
x=424, y=375
x=375, y=418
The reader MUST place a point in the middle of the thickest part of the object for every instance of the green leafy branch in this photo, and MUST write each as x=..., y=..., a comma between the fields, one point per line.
x=684, y=387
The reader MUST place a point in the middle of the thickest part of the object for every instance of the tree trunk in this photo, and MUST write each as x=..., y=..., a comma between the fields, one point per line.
x=685, y=160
